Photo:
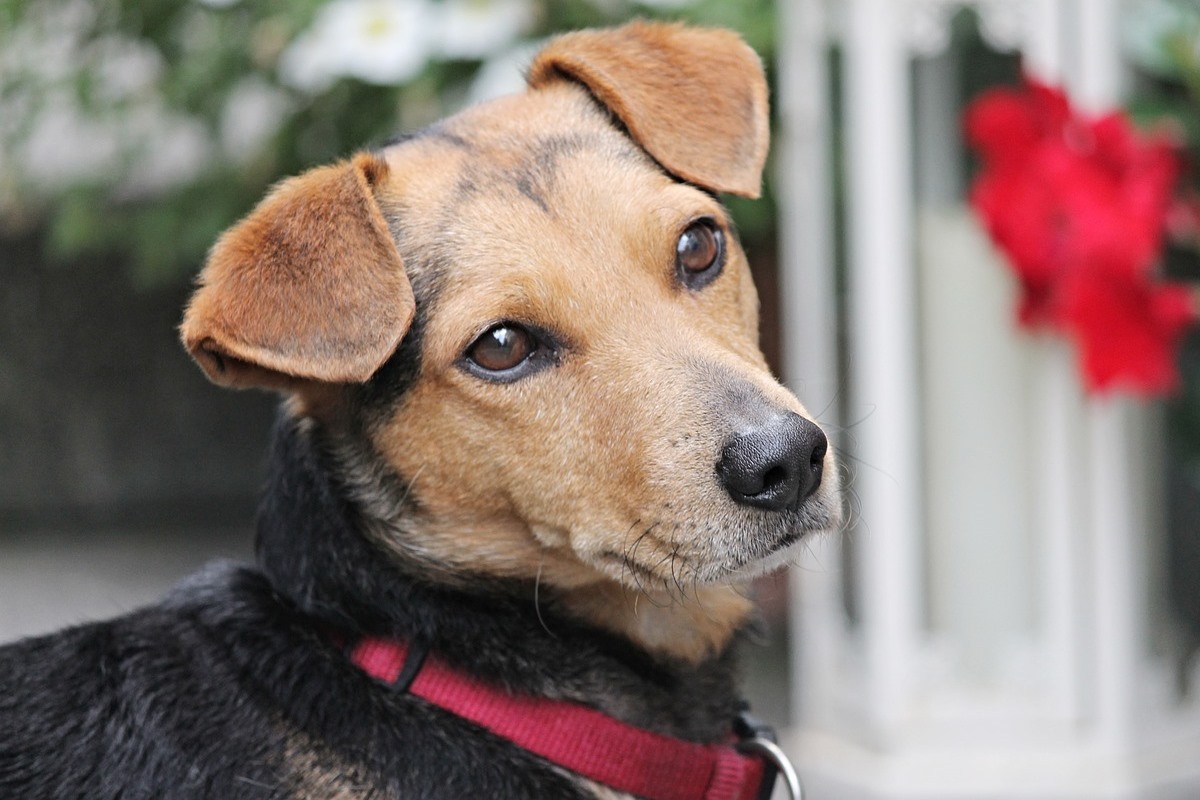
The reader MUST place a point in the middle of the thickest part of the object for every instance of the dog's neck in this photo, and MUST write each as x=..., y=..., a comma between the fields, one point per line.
x=690, y=626
x=311, y=547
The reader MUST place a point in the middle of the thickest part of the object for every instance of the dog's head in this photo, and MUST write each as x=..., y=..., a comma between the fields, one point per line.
x=538, y=316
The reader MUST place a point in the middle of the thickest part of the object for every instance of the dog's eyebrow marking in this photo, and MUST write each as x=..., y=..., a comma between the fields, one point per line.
x=535, y=166
x=442, y=135
x=395, y=139
x=527, y=185
x=536, y=175
x=436, y=132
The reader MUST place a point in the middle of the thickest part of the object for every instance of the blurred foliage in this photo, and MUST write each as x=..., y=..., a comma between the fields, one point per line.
x=1162, y=41
x=139, y=129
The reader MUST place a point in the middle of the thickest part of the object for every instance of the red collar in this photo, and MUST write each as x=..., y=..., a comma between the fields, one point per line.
x=575, y=737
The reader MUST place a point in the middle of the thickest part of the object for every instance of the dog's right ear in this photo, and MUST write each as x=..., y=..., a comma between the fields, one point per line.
x=308, y=287
x=695, y=99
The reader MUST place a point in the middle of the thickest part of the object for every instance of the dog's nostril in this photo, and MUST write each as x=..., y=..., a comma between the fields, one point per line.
x=774, y=477
x=817, y=461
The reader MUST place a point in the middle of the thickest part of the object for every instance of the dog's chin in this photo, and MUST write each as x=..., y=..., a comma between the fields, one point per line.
x=787, y=553
x=781, y=544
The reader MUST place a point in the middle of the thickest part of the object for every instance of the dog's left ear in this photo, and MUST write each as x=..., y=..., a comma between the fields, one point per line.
x=308, y=288
x=695, y=99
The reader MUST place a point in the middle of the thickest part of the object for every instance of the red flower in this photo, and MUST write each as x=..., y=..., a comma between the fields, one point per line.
x=1079, y=206
x=1127, y=330
x=1007, y=125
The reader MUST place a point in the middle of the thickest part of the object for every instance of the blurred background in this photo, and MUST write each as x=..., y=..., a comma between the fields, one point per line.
x=1014, y=608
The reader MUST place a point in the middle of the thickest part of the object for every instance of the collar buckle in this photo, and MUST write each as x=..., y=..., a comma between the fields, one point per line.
x=757, y=738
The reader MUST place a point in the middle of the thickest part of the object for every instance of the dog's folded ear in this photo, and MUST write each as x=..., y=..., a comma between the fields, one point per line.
x=695, y=99
x=308, y=287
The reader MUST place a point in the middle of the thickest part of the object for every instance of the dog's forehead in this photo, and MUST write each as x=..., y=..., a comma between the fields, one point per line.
x=541, y=178
x=562, y=107
x=511, y=151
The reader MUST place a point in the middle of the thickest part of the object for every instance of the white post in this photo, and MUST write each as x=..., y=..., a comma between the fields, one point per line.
x=1059, y=407
x=1116, y=595
x=809, y=319
x=883, y=369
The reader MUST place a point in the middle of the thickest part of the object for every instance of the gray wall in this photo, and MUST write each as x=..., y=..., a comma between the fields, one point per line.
x=102, y=414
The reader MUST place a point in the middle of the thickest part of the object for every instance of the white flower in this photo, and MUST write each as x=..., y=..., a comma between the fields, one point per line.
x=385, y=42
x=145, y=149
x=479, y=28
x=164, y=149
x=252, y=114
x=45, y=46
x=123, y=66
x=65, y=146
x=504, y=74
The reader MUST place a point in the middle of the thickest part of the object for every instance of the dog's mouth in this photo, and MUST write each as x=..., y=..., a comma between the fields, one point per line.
x=772, y=554
x=722, y=548
x=777, y=540
x=790, y=538
x=811, y=519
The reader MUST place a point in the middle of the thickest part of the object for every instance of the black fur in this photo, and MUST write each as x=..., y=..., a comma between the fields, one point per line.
x=232, y=686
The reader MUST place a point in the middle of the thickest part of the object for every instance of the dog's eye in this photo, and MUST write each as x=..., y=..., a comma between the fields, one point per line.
x=699, y=253
x=502, y=347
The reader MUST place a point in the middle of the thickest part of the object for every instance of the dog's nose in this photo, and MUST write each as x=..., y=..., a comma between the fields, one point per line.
x=776, y=465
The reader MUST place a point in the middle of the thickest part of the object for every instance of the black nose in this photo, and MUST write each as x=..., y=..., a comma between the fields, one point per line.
x=776, y=465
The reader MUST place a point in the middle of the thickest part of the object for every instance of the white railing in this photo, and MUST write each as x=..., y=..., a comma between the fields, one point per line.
x=1006, y=527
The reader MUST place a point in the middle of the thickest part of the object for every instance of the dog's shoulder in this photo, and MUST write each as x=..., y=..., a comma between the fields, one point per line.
x=224, y=690
x=130, y=705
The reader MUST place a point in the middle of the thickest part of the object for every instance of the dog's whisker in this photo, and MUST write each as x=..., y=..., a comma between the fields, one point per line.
x=537, y=606
x=412, y=482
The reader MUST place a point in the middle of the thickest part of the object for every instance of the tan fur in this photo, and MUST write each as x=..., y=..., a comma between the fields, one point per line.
x=690, y=624
x=593, y=479
x=693, y=98
x=308, y=286
x=311, y=771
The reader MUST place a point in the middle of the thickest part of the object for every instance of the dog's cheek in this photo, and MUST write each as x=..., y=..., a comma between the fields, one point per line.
x=444, y=454
x=573, y=463
x=650, y=464
x=537, y=460
x=582, y=480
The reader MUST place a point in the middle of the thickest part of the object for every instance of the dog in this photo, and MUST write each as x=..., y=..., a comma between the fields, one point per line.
x=528, y=449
